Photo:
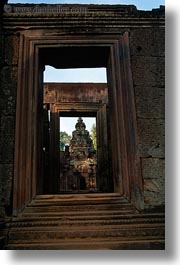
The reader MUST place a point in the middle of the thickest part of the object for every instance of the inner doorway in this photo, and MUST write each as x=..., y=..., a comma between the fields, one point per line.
x=82, y=164
x=78, y=155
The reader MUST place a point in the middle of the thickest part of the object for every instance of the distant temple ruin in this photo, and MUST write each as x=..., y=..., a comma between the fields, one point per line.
x=78, y=162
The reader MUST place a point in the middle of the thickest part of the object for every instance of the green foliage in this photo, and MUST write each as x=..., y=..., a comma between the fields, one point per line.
x=64, y=140
x=93, y=136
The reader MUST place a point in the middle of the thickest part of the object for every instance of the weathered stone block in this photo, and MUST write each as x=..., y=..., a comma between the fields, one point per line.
x=147, y=42
x=8, y=90
x=9, y=80
x=154, y=192
x=1, y=49
x=6, y=172
x=153, y=168
x=11, y=51
x=7, y=125
x=148, y=71
x=7, y=135
x=150, y=102
x=151, y=134
x=8, y=105
x=153, y=199
x=154, y=185
x=7, y=149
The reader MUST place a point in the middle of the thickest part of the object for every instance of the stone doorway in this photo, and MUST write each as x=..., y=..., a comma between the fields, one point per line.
x=78, y=161
x=110, y=51
x=79, y=167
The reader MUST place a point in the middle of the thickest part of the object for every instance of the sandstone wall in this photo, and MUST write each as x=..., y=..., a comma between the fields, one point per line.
x=147, y=61
x=147, y=47
x=8, y=89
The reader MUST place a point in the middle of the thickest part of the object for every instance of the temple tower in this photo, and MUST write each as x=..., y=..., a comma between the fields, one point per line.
x=79, y=164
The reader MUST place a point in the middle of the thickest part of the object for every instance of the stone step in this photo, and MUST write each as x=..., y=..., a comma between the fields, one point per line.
x=75, y=214
x=54, y=233
x=78, y=218
x=75, y=210
x=83, y=199
x=97, y=244
x=49, y=229
x=51, y=222
x=83, y=205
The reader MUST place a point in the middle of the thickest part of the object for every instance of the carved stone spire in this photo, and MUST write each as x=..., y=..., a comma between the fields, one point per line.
x=80, y=125
x=81, y=141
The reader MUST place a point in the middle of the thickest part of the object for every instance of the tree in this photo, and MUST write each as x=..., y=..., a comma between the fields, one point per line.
x=64, y=140
x=93, y=136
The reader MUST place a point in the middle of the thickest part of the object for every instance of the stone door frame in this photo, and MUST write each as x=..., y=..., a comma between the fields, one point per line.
x=28, y=148
x=97, y=110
